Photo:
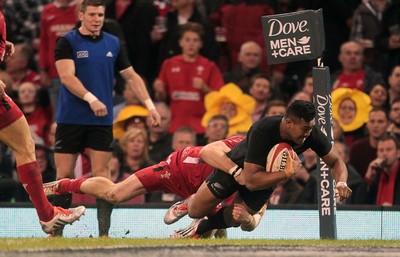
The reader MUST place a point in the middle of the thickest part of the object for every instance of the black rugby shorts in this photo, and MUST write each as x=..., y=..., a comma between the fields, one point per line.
x=72, y=139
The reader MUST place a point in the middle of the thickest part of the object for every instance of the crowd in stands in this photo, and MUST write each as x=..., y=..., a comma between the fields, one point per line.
x=204, y=64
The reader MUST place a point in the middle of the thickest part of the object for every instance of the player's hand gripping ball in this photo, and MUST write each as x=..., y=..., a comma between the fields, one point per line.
x=282, y=157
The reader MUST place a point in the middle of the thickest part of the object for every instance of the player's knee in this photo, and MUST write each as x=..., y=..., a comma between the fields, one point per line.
x=113, y=197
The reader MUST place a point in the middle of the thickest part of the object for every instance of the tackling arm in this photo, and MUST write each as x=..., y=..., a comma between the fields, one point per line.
x=215, y=155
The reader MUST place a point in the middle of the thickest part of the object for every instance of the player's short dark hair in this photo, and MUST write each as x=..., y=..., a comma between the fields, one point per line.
x=96, y=3
x=300, y=109
x=193, y=27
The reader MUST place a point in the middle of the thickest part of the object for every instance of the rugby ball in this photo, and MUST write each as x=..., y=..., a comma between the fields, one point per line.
x=277, y=157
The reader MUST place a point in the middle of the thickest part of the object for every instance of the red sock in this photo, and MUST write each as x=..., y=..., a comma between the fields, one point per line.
x=31, y=178
x=70, y=186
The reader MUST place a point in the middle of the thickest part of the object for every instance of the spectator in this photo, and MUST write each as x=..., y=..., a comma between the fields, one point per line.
x=241, y=21
x=134, y=144
x=160, y=141
x=394, y=83
x=261, y=90
x=185, y=11
x=363, y=151
x=379, y=96
x=394, y=117
x=275, y=107
x=249, y=64
x=354, y=74
x=37, y=111
x=366, y=24
x=84, y=111
x=185, y=79
x=217, y=129
x=308, y=84
x=184, y=136
x=231, y=102
x=129, y=117
x=56, y=20
x=338, y=134
x=301, y=95
x=350, y=107
x=18, y=66
x=382, y=180
x=129, y=99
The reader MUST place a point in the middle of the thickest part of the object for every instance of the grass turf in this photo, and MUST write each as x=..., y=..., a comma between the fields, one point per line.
x=12, y=244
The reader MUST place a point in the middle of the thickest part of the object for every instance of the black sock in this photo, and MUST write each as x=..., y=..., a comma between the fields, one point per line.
x=214, y=222
x=104, y=210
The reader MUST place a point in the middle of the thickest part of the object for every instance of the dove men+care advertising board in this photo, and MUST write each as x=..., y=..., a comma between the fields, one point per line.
x=298, y=36
x=293, y=36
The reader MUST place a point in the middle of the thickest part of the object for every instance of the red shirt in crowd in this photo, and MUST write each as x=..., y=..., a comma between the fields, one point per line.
x=187, y=102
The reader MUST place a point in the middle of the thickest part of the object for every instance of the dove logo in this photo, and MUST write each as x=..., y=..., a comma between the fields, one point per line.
x=304, y=40
x=277, y=27
x=323, y=103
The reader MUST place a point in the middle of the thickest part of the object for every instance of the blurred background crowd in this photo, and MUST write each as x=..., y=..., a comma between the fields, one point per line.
x=204, y=64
